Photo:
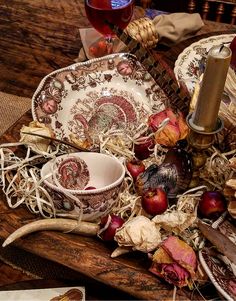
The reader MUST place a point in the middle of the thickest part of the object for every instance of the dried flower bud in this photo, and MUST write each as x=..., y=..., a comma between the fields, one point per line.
x=37, y=144
x=174, y=130
x=175, y=261
x=140, y=233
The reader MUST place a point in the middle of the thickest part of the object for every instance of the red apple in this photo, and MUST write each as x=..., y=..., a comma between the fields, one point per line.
x=233, y=49
x=143, y=147
x=135, y=167
x=115, y=223
x=154, y=201
x=212, y=204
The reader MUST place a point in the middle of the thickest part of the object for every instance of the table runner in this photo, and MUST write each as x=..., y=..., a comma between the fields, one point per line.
x=12, y=107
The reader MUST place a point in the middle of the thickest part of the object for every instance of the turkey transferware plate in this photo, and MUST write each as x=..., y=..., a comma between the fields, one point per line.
x=114, y=92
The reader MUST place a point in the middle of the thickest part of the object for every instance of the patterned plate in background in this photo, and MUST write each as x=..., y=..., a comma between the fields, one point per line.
x=190, y=63
x=218, y=268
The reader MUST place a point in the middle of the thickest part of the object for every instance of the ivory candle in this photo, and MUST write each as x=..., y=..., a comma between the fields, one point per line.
x=206, y=112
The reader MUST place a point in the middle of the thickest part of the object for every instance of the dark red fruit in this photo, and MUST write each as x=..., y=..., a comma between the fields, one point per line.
x=155, y=201
x=135, y=167
x=115, y=223
x=212, y=204
x=143, y=148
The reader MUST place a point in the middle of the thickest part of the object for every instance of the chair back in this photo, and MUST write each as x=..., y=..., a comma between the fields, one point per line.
x=215, y=10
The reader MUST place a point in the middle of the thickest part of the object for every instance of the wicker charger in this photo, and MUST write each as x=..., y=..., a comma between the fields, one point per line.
x=144, y=31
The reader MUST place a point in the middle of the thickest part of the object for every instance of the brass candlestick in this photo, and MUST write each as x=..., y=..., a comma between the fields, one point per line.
x=202, y=140
x=204, y=121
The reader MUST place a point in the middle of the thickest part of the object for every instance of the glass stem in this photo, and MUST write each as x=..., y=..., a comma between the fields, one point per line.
x=110, y=44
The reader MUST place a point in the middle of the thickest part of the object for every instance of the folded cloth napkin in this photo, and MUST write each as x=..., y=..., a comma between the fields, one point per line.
x=176, y=27
x=167, y=29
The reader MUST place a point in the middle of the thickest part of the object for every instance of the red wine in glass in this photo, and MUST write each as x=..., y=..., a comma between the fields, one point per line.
x=118, y=12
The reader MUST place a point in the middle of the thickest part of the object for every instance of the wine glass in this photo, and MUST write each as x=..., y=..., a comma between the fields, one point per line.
x=102, y=12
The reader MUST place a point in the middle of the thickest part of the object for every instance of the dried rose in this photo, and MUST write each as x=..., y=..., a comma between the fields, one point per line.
x=140, y=233
x=175, y=261
x=175, y=129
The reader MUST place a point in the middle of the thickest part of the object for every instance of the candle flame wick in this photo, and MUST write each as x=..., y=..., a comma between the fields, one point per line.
x=221, y=47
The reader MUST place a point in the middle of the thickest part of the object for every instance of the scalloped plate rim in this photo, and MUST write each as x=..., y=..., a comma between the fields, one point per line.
x=72, y=67
x=216, y=224
x=212, y=277
x=190, y=48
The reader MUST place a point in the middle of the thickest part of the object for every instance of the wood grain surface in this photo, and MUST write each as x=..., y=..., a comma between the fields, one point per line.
x=10, y=275
x=36, y=38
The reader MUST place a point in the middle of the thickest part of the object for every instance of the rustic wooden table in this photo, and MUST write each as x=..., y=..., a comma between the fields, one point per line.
x=36, y=38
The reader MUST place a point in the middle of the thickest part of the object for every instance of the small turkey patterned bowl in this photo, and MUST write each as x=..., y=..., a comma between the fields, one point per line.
x=84, y=184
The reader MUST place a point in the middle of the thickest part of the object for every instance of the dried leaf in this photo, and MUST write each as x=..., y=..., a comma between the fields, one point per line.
x=175, y=221
x=37, y=144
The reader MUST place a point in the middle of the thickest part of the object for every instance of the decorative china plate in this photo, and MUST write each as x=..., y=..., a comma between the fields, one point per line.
x=108, y=93
x=190, y=63
x=219, y=269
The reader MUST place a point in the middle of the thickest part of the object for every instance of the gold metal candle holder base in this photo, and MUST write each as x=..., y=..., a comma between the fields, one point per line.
x=202, y=139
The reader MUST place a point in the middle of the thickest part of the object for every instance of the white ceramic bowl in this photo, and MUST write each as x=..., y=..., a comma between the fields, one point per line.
x=68, y=176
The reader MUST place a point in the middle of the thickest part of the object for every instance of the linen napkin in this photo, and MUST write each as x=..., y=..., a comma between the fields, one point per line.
x=176, y=27
x=167, y=29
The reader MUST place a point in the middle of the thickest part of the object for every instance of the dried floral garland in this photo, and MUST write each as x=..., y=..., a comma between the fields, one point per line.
x=22, y=184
